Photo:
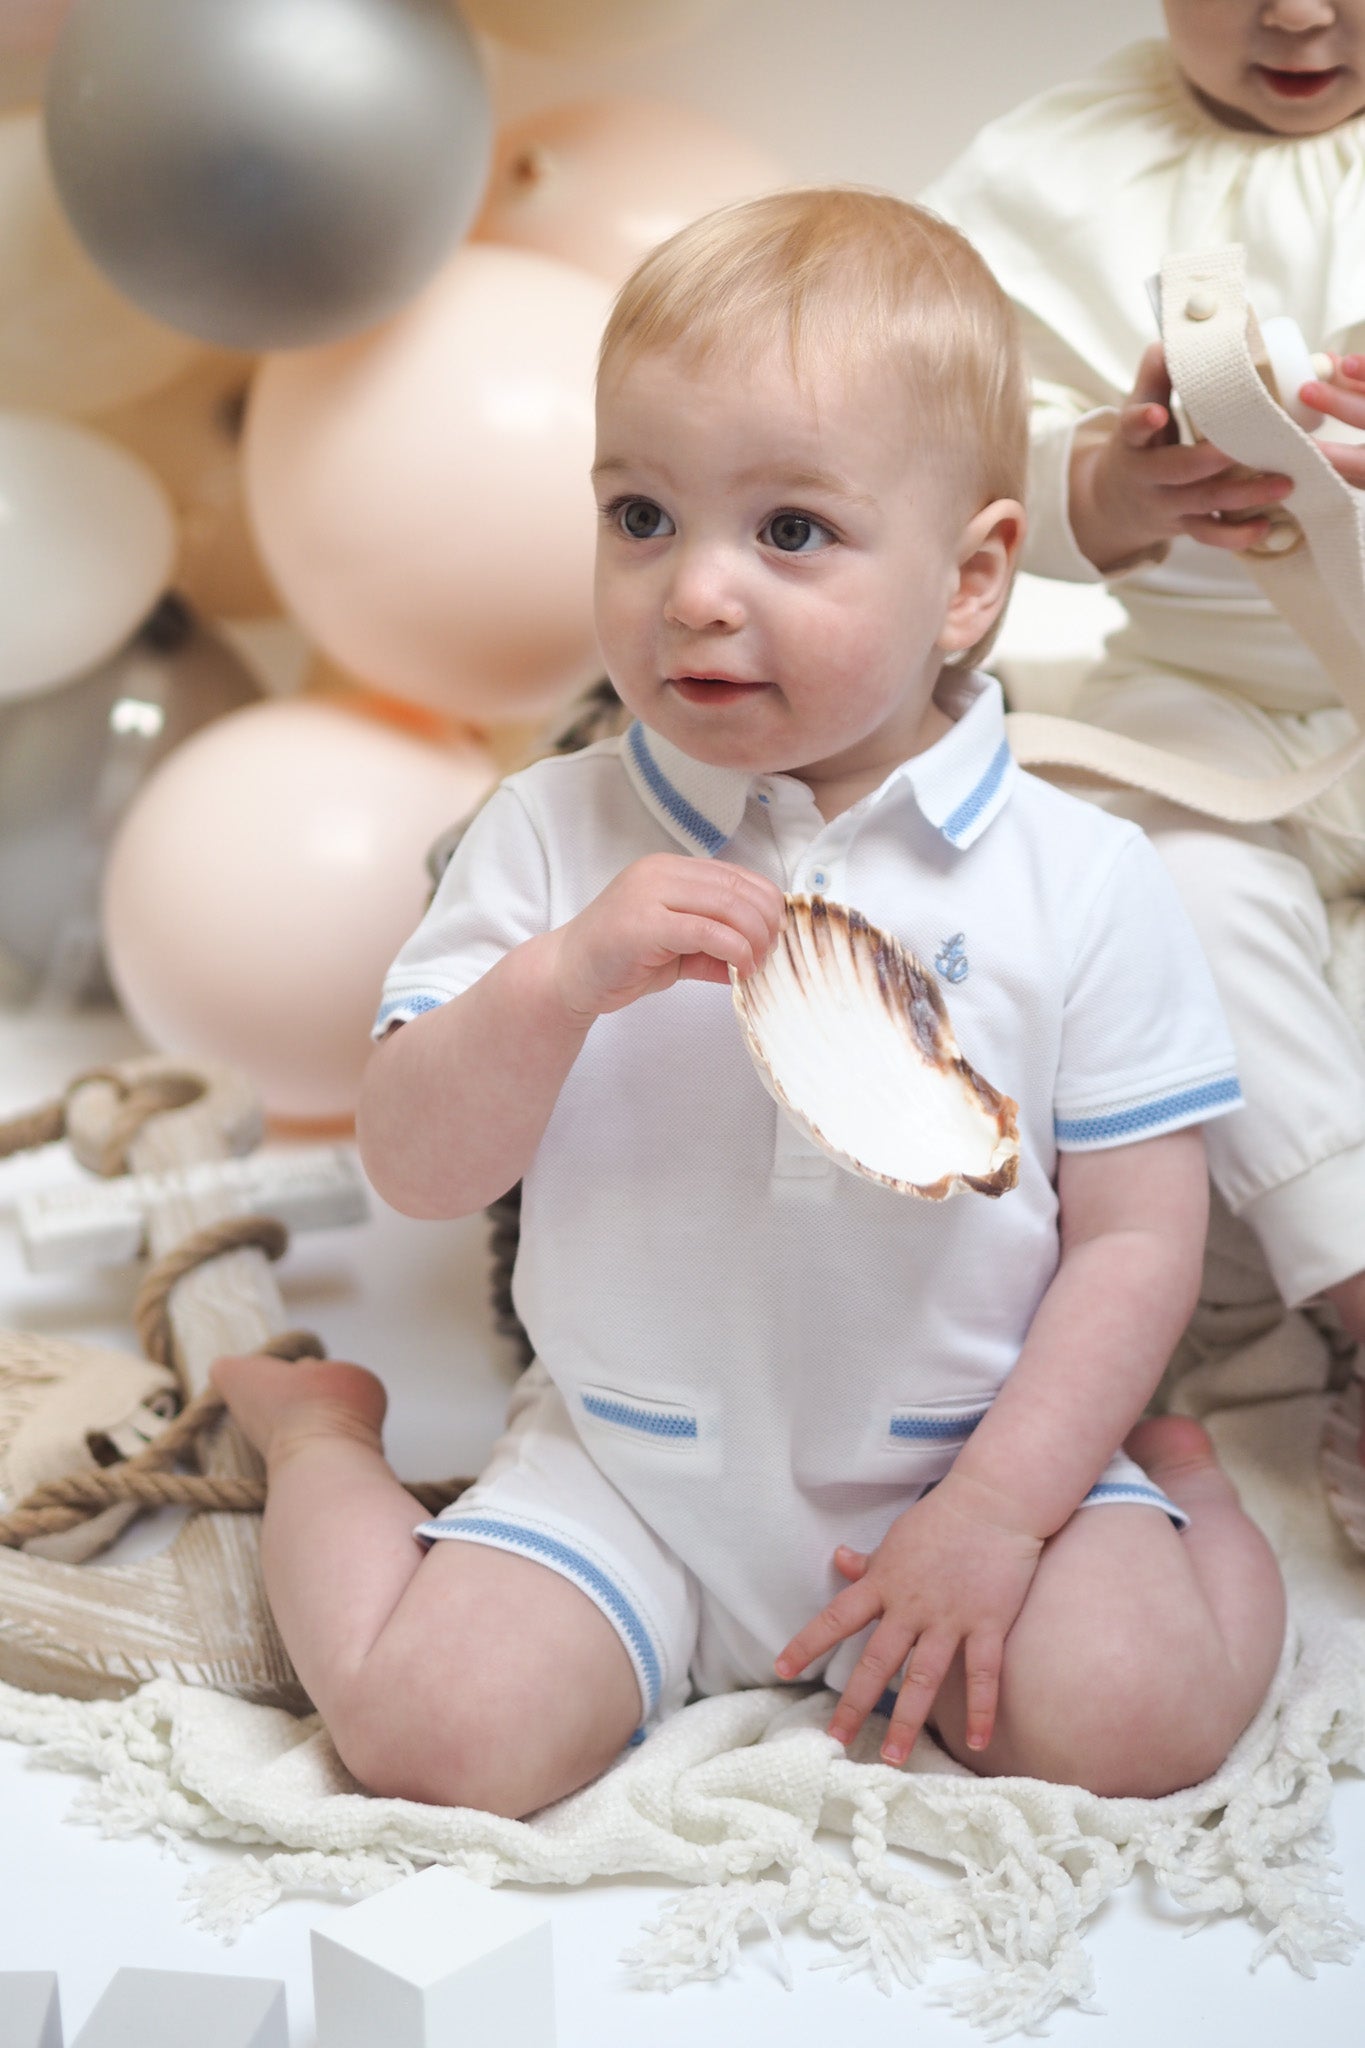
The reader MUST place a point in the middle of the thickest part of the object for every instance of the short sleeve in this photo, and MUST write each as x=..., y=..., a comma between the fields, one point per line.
x=1145, y=1046
x=493, y=895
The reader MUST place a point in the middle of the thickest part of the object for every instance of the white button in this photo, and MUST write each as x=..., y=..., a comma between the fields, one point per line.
x=818, y=879
x=1200, y=306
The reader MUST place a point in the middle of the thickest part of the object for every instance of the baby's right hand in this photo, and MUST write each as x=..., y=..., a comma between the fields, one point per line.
x=663, y=919
x=1141, y=485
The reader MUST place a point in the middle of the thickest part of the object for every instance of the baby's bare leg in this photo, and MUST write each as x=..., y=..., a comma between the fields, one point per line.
x=1141, y=1652
x=459, y=1675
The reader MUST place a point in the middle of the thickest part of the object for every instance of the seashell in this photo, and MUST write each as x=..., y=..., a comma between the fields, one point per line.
x=851, y=1035
x=1342, y=1472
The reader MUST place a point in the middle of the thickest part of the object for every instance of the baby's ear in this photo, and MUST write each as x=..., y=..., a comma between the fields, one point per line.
x=987, y=554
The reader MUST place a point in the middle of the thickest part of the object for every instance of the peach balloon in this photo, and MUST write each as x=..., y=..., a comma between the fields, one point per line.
x=190, y=435
x=30, y=26
x=262, y=881
x=587, y=28
x=601, y=182
x=69, y=342
x=421, y=495
x=22, y=79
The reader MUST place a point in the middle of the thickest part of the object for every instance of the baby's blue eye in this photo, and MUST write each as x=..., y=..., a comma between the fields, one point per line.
x=796, y=533
x=642, y=519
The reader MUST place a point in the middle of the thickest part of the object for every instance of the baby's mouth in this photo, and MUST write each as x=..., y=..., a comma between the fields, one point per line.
x=1299, y=85
x=712, y=689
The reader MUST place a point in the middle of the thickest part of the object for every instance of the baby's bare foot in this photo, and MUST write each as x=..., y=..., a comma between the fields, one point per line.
x=278, y=1405
x=1177, y=1454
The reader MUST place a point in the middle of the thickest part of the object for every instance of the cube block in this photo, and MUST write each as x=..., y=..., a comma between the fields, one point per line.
x=187, y=2009
x=30, y=2011
x=436, y=1961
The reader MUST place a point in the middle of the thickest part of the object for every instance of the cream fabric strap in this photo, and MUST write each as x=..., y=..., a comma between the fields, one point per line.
x=1312, y=567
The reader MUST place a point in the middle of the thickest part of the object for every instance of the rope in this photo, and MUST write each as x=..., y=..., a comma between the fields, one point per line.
x=151, y=1308
x=143, y=1480
x=138, y=1102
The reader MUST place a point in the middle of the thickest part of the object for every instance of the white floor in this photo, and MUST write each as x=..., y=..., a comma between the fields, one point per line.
x=409, y=1299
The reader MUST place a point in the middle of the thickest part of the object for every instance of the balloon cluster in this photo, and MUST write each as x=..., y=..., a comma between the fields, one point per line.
x=288, y=328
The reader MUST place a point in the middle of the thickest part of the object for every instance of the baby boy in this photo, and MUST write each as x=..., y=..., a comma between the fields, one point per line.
x=784, y=1422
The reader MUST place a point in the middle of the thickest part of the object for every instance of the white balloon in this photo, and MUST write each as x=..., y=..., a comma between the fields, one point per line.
x=87, y=545
x=69, y=342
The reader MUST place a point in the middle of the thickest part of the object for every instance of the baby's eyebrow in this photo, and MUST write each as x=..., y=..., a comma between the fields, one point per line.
x=825, y=480
x=780, y=480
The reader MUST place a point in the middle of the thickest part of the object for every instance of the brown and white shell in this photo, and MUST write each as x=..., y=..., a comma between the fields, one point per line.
x=851, y=1036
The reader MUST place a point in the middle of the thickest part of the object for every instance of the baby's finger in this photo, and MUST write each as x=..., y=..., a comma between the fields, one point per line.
x=872, y=1674
x=687, y=934
x=1233, y=535
x=1348, y=461
x=1152, y=384
x=924, y=1674
x=846, y=1613
x=852, y=1563
x=983, y=1657
x=1337, y=401
x=1140, y=426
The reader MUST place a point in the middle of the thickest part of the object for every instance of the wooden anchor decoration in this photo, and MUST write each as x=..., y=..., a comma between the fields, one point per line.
x=197, y=1611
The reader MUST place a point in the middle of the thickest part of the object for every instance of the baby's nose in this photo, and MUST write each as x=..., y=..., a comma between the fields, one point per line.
x=703, y=593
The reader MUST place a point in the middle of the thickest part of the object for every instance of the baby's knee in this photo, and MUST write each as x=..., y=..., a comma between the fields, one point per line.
x=458, y=1752
x=1144, y=1714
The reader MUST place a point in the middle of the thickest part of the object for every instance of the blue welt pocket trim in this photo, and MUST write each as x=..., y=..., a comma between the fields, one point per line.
x=909, y=1427
x=661, y=1422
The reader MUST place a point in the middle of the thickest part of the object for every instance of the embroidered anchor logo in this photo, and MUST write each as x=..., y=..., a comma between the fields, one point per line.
x=951, y=960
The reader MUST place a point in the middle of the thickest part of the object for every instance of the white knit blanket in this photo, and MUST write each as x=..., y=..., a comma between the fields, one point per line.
x=767, y=1822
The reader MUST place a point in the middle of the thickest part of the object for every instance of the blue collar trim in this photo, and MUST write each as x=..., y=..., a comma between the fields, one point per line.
x=959, y=784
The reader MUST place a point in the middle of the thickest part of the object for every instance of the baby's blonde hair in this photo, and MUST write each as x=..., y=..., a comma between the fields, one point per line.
x=858, y=278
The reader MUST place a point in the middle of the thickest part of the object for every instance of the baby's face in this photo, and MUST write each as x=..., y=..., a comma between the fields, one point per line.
x=1291, y=67
x=774, y=564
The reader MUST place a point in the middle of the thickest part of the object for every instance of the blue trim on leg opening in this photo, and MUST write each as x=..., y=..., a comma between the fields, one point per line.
x=572, y=1564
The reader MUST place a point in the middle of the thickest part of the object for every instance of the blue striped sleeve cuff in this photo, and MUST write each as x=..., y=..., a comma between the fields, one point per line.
x=1168, y=1112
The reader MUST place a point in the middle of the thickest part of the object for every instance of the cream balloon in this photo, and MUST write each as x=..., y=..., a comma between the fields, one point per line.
x=189, y=434
x=262, y=882
x=421, y=496
x=69, y=342
x=601, y=182
x=87, y=545
x=587, y=28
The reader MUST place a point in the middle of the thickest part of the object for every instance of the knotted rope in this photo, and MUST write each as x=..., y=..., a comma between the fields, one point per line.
x=138, y=1101
x=61, y=1503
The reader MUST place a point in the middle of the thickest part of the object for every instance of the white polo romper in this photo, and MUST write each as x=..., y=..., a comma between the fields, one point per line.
x=747, y=1355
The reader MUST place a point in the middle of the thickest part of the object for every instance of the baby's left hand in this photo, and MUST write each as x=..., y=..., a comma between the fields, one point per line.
x=947, y=1572
x=1343, y=399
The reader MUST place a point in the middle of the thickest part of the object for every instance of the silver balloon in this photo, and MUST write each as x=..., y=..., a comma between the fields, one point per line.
x=71, y=761
x=268, y=173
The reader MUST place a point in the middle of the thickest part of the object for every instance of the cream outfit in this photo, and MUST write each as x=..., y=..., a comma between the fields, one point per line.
x=1074, y=200
x=747, y=1354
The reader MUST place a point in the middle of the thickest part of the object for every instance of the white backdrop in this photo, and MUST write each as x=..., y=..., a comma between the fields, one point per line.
x=878, y=92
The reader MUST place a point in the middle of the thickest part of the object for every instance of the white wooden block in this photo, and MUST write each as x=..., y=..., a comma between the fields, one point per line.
x=308, y=1187
x=30, y=2012
x=187, y=2009
x=436, y=1962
